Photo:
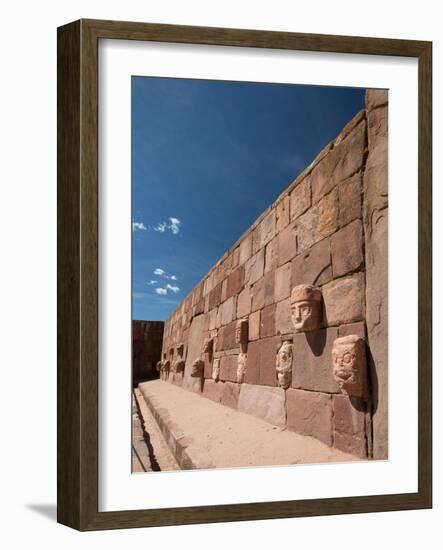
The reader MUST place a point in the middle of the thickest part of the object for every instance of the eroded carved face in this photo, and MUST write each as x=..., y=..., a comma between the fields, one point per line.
x=197, y=368
x=284, y=364
x=241, y=367
x=349, y=361
x=216, y=370
x=306, y=308
x=241, y=332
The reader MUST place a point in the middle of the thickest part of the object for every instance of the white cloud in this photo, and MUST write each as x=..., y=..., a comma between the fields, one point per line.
x=174, y=289
x=173, y=277
x=174, y=225
x=138, y=226
x=161, y=227
x=161, y=291
x=151, y=282
x=159, y=271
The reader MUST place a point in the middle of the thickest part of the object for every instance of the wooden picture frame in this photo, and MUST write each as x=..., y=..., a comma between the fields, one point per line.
x=77, y=479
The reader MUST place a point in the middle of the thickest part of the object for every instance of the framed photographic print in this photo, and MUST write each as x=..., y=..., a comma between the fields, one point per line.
x=244, y=275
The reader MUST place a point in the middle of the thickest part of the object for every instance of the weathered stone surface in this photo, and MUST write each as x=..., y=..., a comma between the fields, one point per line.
x=282, y=213
x=263, y=402
x=282, y=287
x=226, y=337
x=347, y=249
x=267, y=321
x=228, y=310
x=258, y=294
x=235, y=281
x=228, y=368
x=318, y=222
x=212, y=390
x=261, y=361
x=349, y=425
x=241, y=333
x=215, y=296
x=244, y=301
x=312, y=267
x=300, y=198
x=235, y=257
x=283, y=364
x=350, y=367
x=264, y=232
x=245, y=249
x=254, y=326
x=287, y=245
x=349, y=198
x=312, y=365
x=271, y=255
x=269, y=282
x=310, y=413
x=353, y=328
x=212, y=318
x=283, y=322
x=375, y=98
x=355, y=121
x=344, y=299
x=195, y=344
x=342, y=162
x=254, y=267
x=229, y=395
x=224, y=290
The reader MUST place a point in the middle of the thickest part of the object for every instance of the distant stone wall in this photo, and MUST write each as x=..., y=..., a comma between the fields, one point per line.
x=264, y=331
x=147, y=338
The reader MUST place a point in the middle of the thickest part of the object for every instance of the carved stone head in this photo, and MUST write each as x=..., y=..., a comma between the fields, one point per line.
x=197, y=368
x=284, y=364
x=241, y=333
x=241, y=367
x=306, y=308
x=349, y=360
x=216, y=370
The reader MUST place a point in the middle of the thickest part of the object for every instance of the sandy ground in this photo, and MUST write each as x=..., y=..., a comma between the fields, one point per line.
x=228, y=438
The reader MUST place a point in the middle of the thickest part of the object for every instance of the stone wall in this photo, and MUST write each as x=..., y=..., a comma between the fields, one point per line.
x=147, y=339
x=328, y=230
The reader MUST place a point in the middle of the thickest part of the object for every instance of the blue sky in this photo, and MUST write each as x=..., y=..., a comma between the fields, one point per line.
x=207, y=158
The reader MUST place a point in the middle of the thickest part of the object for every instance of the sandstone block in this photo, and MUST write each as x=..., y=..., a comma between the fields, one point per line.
x=312, y=366
x=312, y=267
x=344, y=299
x=283, y=322
x=212, y=390
x=349, y=198
x=340, y=163
x=375, y=98
x=252, y=374
x=310, y=413
x=229, y=395
x=347, y=249
x=271, y=255
x=352, y=328
x=228, y=368
x=300, y=198
x=318, y=222
x=282, y=286
x=263, y=402
x=244, y=302
x=254, y=326
x=264, y=232
x=245, y=249
x=349, y=425
x=254, y=267
x=215, y=296
x=235, y=257
x=212, y=318
x=282, y=213
x=287, y=245
x=258, y=294
x=267, y=321
x=269, y=283
x=235, y=281
x=228, y=310
x=226, y=337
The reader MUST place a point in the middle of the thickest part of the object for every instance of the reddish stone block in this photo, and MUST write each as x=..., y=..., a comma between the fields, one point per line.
x=229, y=395
x=310, y=413
x=282, y=213
x=235, y=282
x=228, y=368
x=245, y=249
x=215, y=296
x=340, y=163
x=267, y=322
x=287, y=245
x=347, y=248
x=375, y=98
x=252, y=374
x=212, y=390
x=320, y=221
x=312, y=364
x=269, y=282
x=228, y=310
x=254, y=326
x=264, y=232
x=244, y=303
x=283, y=322
x=349, y=434
x=271, y=255
x=300, y=198
x=353, y=328
x=258, y=295
x=268, y=353
x=344, y=299
x=226, y=337
x=282, y=287
x=349, y=198
x=312, y=267
x=254, y=267
x=235, y=257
